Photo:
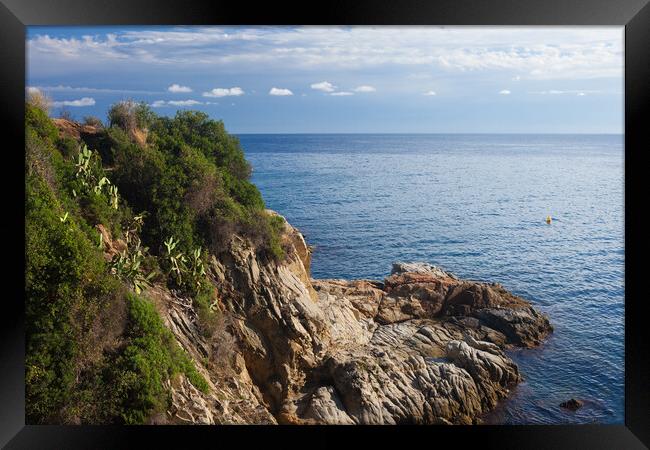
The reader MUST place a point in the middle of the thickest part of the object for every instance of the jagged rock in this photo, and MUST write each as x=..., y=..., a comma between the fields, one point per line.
x=572, y=404
x=420, y=347
x=398, y=389
x=189, y=406
x=466, y=297
x=326, y=407
x=492, y=371
x=524, y=327
x=421, y=268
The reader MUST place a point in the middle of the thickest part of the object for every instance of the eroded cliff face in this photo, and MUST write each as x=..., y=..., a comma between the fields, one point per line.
x=420, y=347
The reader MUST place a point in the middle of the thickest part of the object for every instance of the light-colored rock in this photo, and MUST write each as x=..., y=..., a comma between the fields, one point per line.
x=189, y=406
x=419, y=267
x=421, y=347
x=326, y=407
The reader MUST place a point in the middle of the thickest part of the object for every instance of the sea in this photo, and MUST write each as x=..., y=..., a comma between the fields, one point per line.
x=476, y=205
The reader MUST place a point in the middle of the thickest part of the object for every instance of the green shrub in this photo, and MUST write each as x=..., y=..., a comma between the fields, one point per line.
x=276, y=225
x=151, y=266
x=127, y=266
x=102, y=141
x=138, y=174
x=37, y=120
x=66, y=285
x=247, y=194
x=151, y=357
x=193, y=178
x=95, y=209
x=207, y=317
x=93, y=121
x=67, y=146
x=94, y=353
x=130, y=115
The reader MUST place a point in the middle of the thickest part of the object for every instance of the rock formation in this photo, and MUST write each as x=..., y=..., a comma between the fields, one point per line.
x=421, y=346
x=572, y=404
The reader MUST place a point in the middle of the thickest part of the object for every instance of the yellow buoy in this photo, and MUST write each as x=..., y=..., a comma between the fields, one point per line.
x=548, y=220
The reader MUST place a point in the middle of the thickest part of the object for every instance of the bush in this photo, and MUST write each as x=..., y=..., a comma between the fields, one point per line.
x=193, y=179
x=95, y=209
x=36, y=120
x=75, y=310
x=195, y=129
x=67, y=146
x=39, y=100
x=95, y=353
x=66, y=285
x=93, y=121
x=130, y=115
x=151, y=357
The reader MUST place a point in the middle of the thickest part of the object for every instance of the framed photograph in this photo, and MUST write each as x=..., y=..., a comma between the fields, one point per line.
x=364, y=219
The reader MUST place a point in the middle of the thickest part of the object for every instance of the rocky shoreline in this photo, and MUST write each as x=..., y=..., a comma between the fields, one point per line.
x=421, y=346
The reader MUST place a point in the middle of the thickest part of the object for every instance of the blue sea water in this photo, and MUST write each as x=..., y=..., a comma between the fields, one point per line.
x=475, y=205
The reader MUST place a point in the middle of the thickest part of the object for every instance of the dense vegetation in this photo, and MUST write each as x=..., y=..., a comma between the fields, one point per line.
x=173, y=189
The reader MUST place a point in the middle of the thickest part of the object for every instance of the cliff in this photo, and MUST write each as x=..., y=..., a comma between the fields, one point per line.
x=420, y=347
x=159, y=290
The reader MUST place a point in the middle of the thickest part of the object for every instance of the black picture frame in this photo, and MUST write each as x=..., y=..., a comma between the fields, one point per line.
x=15, y=15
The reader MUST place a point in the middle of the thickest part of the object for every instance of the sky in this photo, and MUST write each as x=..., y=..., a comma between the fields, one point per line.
x=407, y=79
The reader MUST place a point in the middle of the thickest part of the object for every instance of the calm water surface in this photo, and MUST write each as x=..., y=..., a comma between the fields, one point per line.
x=475, y=205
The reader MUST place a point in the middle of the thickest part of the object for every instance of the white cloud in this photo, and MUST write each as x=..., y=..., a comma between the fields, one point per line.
x=85, y=101
x=516, y=78
x=178, y=88
x=530, y=52
x=581, y=94
x=184, y=102
x=324, y=86
x=224, y=92
x=62, y=88
x=365, y=88
x=33, y=90
x=341, y=93
x=280, y=91
x=504, y=92
x=163, y=103
x=429, y=93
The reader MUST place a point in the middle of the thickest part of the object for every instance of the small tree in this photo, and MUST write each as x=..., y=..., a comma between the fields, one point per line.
x=121, y=115
x=39, y=100
x=93, y=122
x=130, y=115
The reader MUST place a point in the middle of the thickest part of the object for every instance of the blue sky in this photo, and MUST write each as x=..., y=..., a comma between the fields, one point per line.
x=342, y=79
